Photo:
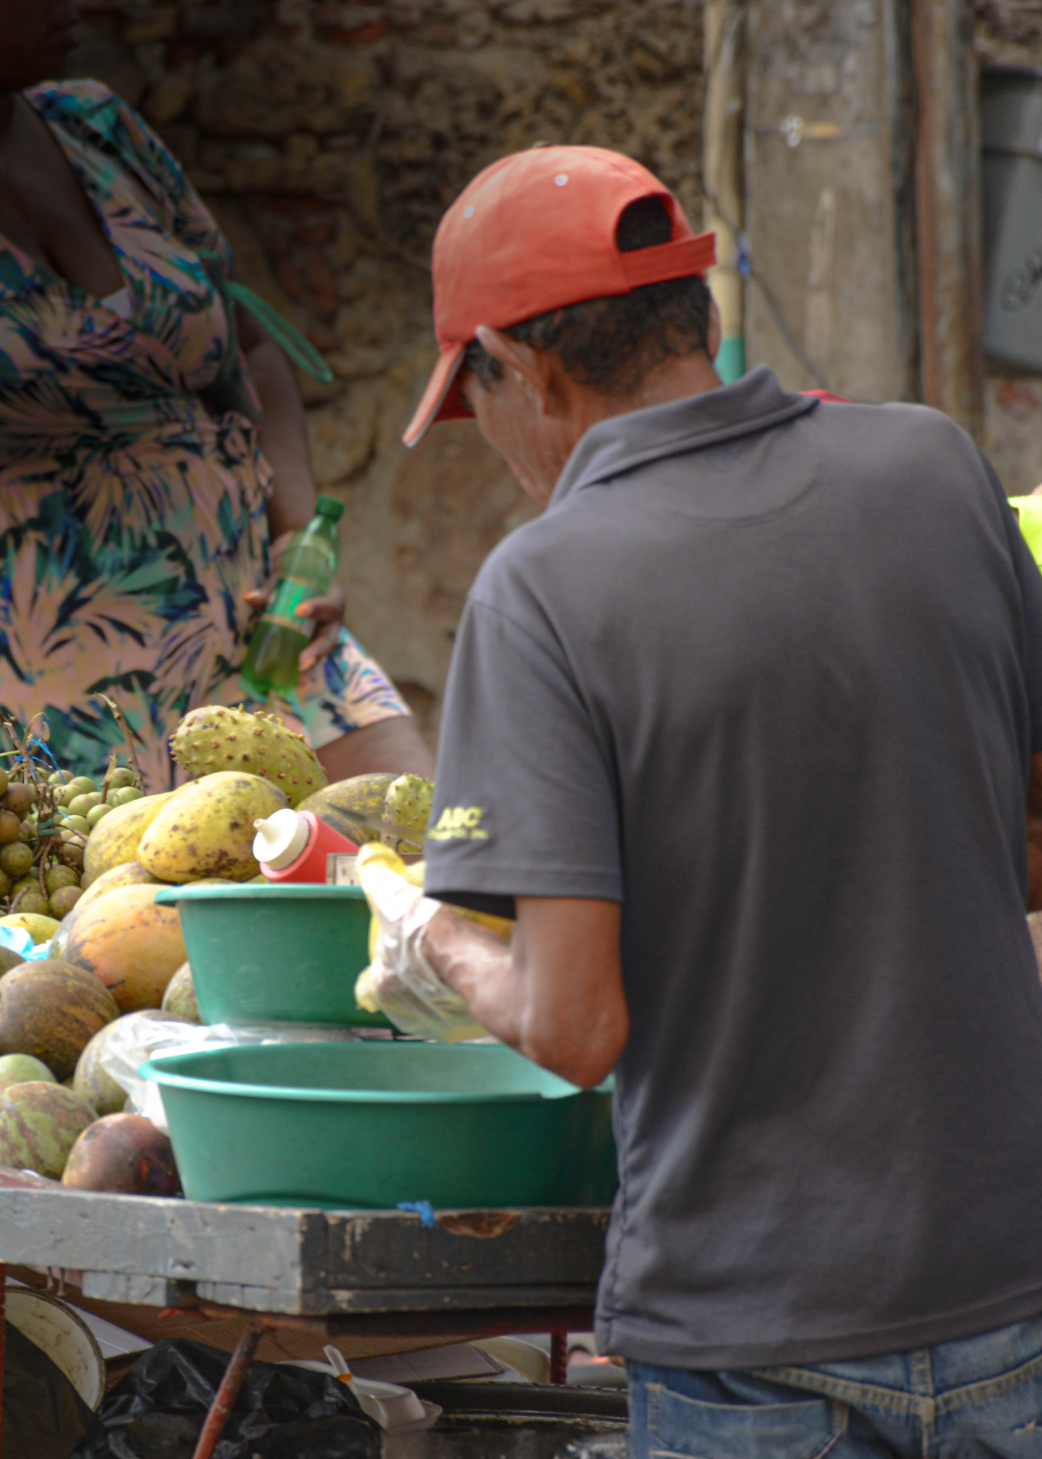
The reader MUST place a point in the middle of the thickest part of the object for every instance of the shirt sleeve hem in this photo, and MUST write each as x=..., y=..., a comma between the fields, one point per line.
x=524, y=881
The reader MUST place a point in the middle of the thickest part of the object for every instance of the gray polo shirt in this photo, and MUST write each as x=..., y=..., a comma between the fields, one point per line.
x=768, y=671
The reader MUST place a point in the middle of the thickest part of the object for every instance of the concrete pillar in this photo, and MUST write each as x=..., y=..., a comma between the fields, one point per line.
x=828, y=141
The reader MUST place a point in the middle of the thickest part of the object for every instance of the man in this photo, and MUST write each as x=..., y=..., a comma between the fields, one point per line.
x=740, y=729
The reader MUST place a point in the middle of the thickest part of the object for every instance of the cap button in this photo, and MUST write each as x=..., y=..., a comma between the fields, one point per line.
x=561, y=179
x=468, y=211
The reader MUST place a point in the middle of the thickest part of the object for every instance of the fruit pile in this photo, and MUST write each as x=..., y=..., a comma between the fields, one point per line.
x=82, y=863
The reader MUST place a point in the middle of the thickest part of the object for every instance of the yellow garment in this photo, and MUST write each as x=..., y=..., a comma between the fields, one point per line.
x=1029, y=513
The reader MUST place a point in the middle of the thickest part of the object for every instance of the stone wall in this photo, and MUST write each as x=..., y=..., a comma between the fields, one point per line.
x=328, y=138
x=1009, y=33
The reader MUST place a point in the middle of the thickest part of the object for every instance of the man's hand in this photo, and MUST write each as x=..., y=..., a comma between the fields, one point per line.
x=328, y=612
x=400, y=981
x=555, y=994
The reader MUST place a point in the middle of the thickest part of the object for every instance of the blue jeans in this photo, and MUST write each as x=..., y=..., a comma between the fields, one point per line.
x=979, y=1398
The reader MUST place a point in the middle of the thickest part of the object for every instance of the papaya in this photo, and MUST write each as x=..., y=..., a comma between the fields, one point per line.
x=132, y=945
x=362, y=795
x=127, y=874
x=114, y=841
x=207, y=829
x=52, y=1010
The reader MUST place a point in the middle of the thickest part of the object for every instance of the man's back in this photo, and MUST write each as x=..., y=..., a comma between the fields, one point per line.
x=764, y=673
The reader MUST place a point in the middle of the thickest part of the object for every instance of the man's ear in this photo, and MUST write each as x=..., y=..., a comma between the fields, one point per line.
x=522, y=361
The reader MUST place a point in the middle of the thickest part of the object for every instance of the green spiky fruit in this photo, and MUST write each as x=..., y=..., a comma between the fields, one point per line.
x=340, y=803
x=215, y=738
x=408, y=803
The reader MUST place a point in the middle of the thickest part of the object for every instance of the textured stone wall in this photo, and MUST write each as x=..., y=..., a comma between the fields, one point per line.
x=328, y=137
x=1009, y=33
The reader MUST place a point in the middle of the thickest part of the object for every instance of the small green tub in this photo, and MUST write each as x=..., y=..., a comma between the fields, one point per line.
x=372, y=1123
x=279, y=953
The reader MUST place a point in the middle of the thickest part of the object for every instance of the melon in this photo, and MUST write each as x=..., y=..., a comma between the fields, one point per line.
x=93, y=1081
x=132, y=945
x=23, y=1069
x=179, y=998
x=52, y=1010
x=39, y=1124
x=123, y=1153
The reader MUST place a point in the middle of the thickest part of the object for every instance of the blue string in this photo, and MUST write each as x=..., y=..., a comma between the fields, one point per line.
x=423, y=1209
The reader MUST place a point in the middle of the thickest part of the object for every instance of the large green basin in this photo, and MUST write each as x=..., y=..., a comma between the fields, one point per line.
x=276, y=953
x=372, y=1123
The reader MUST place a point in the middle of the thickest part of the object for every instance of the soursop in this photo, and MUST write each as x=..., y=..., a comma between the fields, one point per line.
x=216, y=738
x=408, y=804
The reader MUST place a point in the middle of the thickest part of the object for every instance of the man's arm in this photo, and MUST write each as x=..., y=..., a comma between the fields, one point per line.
x=555, y=994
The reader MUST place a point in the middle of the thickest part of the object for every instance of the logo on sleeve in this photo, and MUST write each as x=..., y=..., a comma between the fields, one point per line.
x=459, y=823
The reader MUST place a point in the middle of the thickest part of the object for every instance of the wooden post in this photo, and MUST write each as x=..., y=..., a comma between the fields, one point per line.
x=827, y=164
x=228, y=1392
x=723, y=30
x=947, y=176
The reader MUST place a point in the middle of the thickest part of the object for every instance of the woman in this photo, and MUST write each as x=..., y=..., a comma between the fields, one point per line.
x=137, y=494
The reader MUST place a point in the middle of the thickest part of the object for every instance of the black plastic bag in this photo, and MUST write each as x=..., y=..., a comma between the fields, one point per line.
x=44, y=1416
x=157, y=1411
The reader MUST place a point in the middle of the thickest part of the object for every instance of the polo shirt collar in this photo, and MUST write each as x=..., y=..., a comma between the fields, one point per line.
x=754, y=403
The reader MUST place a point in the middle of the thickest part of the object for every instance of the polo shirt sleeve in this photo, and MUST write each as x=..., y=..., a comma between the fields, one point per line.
x=525, y=800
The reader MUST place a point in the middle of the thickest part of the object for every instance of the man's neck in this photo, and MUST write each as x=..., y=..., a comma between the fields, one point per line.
x=674, y=379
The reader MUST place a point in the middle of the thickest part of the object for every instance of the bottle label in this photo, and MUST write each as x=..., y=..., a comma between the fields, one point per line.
x=289, y=594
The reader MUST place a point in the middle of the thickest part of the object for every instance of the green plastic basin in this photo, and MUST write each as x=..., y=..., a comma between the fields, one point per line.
x=372, y=1123
x=276, y=954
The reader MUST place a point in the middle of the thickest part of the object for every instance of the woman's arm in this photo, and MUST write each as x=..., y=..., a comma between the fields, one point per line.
x=390, y=744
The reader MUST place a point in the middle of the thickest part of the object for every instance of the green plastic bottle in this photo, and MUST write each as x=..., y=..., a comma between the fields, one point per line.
x=307, y=570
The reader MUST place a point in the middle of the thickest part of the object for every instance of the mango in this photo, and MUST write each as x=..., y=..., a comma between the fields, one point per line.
x=130, y=944
x=123, y=1153
x=207, y=828
x=23, y=1069
x=114, y=841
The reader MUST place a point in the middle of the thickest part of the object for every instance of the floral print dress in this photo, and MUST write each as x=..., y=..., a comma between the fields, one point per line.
x=131, y=520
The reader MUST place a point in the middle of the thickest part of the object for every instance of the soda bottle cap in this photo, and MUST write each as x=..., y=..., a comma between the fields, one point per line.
x=328, y=506
x=280, y=839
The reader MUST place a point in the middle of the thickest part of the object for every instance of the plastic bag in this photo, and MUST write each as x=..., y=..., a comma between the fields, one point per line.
x=399, y=981
x=137, y=1036
x=282, y=1412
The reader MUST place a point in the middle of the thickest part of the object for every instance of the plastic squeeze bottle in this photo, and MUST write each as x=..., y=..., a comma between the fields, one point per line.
x=293, y=845
x=307, y=570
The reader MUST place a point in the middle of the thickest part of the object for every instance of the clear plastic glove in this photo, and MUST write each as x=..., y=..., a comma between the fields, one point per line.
x=400, y=982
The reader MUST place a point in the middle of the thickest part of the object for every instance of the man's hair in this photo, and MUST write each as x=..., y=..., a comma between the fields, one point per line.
x=612, y=342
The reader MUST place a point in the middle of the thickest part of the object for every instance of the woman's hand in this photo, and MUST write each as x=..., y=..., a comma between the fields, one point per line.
x=327, y=611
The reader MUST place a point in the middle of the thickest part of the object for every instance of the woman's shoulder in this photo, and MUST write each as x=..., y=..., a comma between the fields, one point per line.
x=84, y=100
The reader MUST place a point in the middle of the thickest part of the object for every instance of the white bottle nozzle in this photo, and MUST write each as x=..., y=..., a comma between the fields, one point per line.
x=280, y=839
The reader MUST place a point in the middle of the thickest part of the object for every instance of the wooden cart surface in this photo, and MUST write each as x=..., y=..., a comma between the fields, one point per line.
x=342, y=1273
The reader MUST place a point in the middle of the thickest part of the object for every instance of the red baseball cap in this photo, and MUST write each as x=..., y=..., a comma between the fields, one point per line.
x=533, y=232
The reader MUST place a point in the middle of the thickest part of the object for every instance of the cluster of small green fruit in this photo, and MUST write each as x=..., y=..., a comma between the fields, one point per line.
x=43, y=833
